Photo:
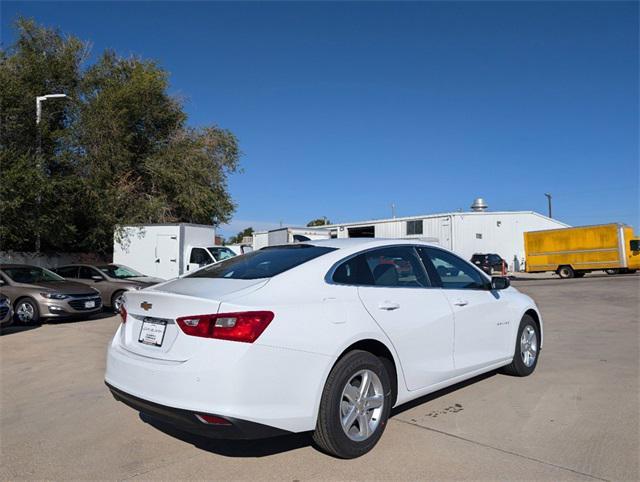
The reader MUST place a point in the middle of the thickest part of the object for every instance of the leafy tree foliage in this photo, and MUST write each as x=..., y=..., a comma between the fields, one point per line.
x=118, y=151
x=238, y=237
x=318, y=222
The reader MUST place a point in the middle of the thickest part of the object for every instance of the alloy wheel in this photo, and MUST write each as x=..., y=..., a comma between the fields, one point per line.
x=528, y=346
x=361, y=405
x=25, y=312
x=117, y=302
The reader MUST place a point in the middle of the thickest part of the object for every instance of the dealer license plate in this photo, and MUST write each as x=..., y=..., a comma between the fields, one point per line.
x=152, y=332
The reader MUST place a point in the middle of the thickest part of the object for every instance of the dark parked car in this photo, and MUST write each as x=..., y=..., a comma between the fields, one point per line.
x=111, y=280
x=489, y=263
x=38, y=293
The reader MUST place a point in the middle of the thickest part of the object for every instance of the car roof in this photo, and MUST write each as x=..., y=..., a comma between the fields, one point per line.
x=16, y=265
x=364, y=243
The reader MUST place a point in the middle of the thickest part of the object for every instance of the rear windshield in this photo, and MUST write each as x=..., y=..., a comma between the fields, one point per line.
x=264, y=263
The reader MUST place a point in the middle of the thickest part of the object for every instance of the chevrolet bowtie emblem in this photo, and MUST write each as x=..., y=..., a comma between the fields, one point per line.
x=145, y=306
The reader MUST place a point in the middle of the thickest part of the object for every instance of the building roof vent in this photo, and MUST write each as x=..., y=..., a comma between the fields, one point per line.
x=479, y=205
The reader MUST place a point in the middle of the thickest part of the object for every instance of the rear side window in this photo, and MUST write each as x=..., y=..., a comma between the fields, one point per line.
x=397, y=267
x=265, y=263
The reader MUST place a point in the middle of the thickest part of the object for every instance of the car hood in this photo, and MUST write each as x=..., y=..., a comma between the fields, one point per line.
x=141, y=280
x=64, y=287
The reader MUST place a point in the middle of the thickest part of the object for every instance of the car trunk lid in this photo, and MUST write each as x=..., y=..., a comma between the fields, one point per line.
x=151, y=330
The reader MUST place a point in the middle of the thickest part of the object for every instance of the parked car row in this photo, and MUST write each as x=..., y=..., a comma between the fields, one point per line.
x=33, y=293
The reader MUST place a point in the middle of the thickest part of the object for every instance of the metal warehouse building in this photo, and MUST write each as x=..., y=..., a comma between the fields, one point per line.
x=466, y=233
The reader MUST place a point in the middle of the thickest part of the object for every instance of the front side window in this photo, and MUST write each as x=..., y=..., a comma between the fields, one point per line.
x=200, y=257
x=67, y=271
x=414, y=227
x=31, y=274
x=87, y=273
x=453, y=272
x=397, y=267
x=265, y=263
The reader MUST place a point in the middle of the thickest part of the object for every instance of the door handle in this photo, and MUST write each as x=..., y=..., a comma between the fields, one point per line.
x=461, y=302
x=388, y=306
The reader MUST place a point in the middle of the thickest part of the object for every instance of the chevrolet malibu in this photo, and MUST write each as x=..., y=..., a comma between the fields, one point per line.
x=323, y=336
x=39, y=294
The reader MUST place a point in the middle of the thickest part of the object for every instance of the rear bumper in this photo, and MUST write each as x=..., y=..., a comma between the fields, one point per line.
x=187, y=421
x=268, y=386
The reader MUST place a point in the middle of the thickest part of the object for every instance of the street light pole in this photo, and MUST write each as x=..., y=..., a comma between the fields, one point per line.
x=39, y=100
x=549, y=202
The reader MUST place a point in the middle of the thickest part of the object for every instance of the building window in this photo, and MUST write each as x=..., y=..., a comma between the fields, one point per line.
x=414, y=227
x=478, y=235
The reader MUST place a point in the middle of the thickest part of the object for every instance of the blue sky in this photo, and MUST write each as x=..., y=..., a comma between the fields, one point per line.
x=344, y=108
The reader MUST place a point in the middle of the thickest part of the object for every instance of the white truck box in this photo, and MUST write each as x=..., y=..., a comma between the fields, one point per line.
x=164, y=250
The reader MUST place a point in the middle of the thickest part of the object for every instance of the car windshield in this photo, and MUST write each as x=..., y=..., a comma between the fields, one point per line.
x=220, y=254
x=31, y=274
x=264, y=263
x=119, y=271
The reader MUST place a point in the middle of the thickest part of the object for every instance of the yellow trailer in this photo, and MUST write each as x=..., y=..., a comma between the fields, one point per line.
x=572, y=252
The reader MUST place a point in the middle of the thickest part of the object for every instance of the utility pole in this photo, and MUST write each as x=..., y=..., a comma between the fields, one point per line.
x=549, y=202
x=39, y=100
x=393, y=210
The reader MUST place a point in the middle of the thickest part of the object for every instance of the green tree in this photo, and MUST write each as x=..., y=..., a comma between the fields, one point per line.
x=318, y=222
x=119, y=152
x=238, y=237
x=40, y=62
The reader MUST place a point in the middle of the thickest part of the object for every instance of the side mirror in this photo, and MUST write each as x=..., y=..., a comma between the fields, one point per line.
x=97, y=278
x=634, y=244
x=500, y=283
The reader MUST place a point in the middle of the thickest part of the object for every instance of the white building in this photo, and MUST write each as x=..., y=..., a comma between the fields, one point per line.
x=465, y=233
x=288, y=234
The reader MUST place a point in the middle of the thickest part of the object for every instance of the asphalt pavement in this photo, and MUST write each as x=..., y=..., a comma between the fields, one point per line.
x=576, y=417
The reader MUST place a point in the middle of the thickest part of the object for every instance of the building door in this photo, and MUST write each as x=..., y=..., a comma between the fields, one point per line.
x=362, y=232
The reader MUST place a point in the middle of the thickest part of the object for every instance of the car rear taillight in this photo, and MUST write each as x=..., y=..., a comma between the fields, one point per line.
x=123, y=314
x=212, y=419
x=245, y=327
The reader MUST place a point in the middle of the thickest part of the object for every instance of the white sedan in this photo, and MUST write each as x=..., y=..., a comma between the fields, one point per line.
x=323, y=335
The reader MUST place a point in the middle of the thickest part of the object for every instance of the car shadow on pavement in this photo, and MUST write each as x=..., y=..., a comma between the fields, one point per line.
x=441, y=393
x=234, y=448
x=285, y=443
x=17, y=328
x=101, y=315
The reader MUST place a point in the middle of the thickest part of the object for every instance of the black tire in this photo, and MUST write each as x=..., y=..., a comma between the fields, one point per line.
x=114, y=298
x=612, y=272
x=566, y=272
x=30, y=306
x=329, y=435
x=518, y=367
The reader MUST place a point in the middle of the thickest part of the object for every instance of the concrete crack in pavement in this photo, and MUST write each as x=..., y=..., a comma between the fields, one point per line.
x=550, y=464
